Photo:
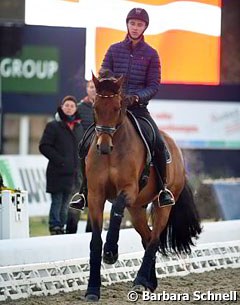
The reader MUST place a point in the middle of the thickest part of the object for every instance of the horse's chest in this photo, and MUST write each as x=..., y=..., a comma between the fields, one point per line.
x=113, y=174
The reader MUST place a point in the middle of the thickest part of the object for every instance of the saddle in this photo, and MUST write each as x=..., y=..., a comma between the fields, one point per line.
x=147, y=134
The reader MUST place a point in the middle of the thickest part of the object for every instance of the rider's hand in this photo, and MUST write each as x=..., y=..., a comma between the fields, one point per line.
x=131, y=100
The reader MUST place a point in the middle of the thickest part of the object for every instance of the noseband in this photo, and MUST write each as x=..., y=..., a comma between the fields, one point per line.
x=105, y=129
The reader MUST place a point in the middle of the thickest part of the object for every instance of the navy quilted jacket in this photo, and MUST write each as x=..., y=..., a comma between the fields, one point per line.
x=139, y=65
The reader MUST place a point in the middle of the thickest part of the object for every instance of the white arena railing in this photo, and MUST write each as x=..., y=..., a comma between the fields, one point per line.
x=22, y=277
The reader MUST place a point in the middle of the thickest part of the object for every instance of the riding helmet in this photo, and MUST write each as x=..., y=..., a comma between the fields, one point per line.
x=138, y=13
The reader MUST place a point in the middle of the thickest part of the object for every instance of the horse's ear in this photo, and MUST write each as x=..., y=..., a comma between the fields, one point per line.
x=120, y=81
x=95, y=80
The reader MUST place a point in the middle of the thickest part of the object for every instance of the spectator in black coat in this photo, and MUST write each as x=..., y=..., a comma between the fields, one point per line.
x=86, y=114
x=59, y=144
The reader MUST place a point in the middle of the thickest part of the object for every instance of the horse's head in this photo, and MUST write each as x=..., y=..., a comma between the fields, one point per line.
x=109, y=110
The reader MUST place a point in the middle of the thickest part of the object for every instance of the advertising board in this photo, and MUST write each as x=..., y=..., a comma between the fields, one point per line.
x=199, y=125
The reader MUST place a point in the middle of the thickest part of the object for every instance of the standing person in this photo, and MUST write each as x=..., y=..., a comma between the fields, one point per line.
x=59, y=144
x=139, y=63
x=86, y=115
x=85, y=106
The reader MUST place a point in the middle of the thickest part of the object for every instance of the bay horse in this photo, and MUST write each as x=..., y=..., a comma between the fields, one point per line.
x=114, y=164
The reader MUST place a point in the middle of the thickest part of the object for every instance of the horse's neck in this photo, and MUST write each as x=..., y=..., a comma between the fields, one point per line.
x=127, y=130
x=127, y=138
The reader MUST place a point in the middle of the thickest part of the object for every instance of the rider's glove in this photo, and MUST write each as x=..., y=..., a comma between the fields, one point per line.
x=131, y=100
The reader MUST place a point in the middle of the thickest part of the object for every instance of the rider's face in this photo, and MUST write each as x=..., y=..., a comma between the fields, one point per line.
x=136, y=28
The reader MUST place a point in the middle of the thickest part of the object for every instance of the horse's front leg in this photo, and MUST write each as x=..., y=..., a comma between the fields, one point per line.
x=96, y=217
x=110, y=251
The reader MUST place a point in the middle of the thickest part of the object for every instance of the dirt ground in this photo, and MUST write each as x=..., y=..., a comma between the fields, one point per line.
x=220, y=281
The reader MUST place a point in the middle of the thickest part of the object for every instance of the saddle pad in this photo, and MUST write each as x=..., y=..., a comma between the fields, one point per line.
x=147, y=133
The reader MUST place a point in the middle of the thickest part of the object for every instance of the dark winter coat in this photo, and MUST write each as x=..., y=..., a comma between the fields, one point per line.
x=139, y=65
x=85, y=113
x=59, y=144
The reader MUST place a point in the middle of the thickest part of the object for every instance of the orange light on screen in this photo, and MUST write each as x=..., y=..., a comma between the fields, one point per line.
x=104, y=38
x=161, y=2
x=72, y=0
x=186, y=57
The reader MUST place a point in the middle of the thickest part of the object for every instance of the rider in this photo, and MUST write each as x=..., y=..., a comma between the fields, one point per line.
x=140, y=65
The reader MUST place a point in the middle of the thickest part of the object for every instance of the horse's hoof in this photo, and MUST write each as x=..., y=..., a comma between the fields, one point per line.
x=91, y=298
x=139, y=289
x=110, y=258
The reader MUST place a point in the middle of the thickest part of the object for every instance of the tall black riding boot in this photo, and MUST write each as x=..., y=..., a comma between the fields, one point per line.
x=165, y=196
x=79, y=200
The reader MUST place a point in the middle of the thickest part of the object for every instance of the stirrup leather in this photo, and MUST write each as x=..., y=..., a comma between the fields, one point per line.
x=166, y=204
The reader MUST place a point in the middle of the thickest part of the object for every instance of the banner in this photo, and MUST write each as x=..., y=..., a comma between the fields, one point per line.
x=198, y=125
x=28, y=173
x=35, y=70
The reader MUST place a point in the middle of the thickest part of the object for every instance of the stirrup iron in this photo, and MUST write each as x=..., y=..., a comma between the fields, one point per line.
x=75, y=202
x=162, y=204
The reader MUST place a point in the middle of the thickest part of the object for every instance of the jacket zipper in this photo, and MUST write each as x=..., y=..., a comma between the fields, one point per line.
x=129, y=68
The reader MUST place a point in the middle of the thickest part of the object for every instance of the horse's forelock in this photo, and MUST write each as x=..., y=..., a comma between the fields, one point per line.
x=109, y=85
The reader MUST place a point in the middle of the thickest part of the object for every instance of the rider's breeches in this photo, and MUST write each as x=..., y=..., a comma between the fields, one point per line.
x=159, y=157
x=83, y=186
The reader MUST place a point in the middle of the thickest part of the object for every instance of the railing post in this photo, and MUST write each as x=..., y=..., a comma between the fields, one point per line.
x=14, y=220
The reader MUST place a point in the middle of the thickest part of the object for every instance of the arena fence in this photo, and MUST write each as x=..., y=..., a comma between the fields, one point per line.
x=41, y=279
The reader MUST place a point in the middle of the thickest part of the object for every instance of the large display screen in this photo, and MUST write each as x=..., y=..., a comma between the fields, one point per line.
x=187, y=34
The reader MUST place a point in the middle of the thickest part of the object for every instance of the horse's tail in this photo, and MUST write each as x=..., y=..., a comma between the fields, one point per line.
x=183, y=225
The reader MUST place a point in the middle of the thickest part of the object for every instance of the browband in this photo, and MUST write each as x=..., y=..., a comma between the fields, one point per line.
x=106, y=96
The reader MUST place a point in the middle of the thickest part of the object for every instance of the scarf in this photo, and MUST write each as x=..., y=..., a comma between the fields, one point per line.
x=70, y=120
